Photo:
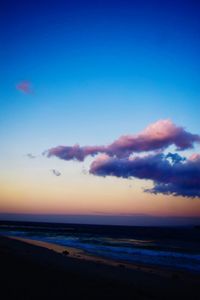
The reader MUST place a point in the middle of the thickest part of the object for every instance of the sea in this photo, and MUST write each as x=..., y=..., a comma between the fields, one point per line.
x=165, y=247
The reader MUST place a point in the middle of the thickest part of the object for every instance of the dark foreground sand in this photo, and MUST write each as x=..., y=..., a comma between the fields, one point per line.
x=34, y=272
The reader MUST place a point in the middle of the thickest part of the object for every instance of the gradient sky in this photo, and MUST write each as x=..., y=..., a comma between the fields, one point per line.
x=87, y=72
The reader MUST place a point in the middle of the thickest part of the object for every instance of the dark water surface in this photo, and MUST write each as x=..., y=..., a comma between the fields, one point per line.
x=169, y=247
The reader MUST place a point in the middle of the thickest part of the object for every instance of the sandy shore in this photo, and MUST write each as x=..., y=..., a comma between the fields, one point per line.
x=38, y=270
x=82, y=255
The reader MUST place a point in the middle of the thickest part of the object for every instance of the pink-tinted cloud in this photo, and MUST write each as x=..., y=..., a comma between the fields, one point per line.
x=194, y=157
x=25, y=87
x=171, y=173
x=157, y=136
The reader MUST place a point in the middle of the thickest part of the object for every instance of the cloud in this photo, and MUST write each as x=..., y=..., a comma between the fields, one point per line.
x=157, y=136
x=30, y=155
x=25, y=87
x=194, y=157
x=179, y=177
x=74, y=152
x=171, y=174
x=175, y=157
x=56, y=172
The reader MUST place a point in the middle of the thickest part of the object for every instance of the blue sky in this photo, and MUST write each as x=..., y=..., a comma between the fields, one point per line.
x=98, y=69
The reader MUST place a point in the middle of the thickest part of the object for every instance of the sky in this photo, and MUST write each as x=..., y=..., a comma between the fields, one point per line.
x=99, y=118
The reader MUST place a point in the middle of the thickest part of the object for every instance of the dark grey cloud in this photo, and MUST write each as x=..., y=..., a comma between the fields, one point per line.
x=178, y=177
x=55, y=172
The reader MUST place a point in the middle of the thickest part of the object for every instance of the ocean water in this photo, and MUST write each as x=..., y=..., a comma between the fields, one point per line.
x=177, y=248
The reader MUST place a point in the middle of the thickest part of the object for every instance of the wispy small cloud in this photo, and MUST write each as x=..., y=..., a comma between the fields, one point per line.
x=24, y=87
x=55, y=172
x=30, y=155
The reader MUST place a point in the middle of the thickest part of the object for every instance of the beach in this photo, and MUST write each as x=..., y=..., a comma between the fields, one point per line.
x=32, y=270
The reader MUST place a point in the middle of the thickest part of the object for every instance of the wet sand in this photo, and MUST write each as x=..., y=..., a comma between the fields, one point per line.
x=38, y=270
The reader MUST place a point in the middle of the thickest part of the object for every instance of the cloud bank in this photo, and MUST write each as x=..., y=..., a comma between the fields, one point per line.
x=171, y=173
